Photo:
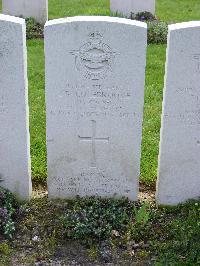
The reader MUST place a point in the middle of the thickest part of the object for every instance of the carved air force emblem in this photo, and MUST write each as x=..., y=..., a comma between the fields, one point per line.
x=95, y=58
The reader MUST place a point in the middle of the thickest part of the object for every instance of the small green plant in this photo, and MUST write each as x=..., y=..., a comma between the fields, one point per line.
x=94, y=218
x=93, y=252
x=142, y=215
x=157, y=32
x=177, y=234
x=33, y=29
x=5, y=249
x=9, y=210
x=143, y=16
x=141, y=222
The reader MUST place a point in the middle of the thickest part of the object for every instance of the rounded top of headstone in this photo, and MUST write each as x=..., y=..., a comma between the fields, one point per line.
x=184, y=25
x=96, y=19
x=12, y=19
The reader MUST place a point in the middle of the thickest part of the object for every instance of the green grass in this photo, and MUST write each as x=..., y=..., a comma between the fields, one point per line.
x=171, y=234
x=167, y=10
x=178, y=10
x=37, y=108
x=152, y=111
x=134, y=233
x=64, y=8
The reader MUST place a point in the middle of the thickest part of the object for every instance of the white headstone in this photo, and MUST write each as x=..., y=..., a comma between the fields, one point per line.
x=179, y=166
x=38, y=9
x=14, y=131
x=126, y=7
x=95, y=71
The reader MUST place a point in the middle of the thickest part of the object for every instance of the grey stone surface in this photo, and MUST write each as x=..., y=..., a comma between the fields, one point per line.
x=126, y=7
x=95, y=71
x=14, y=132
x=38, y=9
x=179, y=167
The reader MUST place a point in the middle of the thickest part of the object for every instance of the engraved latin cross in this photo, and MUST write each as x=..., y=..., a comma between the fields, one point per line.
x=93, y=140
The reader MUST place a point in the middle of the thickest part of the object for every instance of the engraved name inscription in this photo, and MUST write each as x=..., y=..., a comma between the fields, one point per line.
x=95, y=101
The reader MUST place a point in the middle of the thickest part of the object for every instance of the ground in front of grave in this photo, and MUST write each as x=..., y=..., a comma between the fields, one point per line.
x=153, y=235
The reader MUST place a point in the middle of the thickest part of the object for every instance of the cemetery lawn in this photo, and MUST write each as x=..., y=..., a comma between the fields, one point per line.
x=173, y=11
x=152, y=110
x=36, y=79
x=164, y=236
x=166, y=10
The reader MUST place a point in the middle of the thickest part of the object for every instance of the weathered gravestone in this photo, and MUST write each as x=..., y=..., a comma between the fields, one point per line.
x=38, y=9
x=179, y=167
x=95, y=70
x=14, y=132
x=126, y=7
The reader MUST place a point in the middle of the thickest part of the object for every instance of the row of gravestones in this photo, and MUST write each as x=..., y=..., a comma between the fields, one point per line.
x=39, y=8
x=95, y=72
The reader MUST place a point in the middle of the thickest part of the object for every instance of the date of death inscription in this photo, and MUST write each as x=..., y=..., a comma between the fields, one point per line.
x=94, y=101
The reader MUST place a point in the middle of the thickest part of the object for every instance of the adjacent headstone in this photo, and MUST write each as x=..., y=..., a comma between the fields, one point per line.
x=38, y=9
x=179, y=167
x=95, y=71
x=14, y=131
x=126, y=7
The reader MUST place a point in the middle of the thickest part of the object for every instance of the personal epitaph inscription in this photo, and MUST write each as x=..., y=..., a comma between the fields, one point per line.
x=15, y=173
x=179, y=168
x=94, y=99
